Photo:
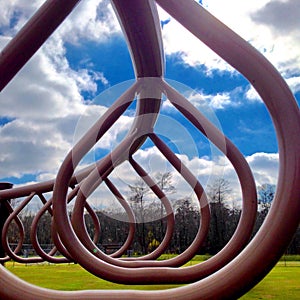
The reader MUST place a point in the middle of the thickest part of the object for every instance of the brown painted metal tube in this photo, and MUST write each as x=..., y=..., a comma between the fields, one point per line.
x=56, y=239
x=80, y=229
x=204, y=208
x=32, y=36
x=121, y=275
x=199, y=239
x=5, y=231
x=265, y=249
x=249, y=211
x=142, y=30
x=88, y=141
x=34, y=239
x=131, y=219
x=248, y=215
x=5, y=242
x=83, y=236
x=59, y=244
x=168, y=208
x=4, y=213
x=255, y=261
x=104, y=167
x=212, y=286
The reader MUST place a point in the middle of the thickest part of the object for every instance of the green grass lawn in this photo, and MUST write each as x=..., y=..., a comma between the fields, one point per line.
x=283, y=282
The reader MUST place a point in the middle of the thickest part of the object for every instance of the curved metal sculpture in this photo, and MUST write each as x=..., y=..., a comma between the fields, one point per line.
x=238, y=266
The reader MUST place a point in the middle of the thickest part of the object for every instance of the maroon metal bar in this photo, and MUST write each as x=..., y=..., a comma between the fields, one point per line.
x=143, y=34
x=12, y=254
x=131, y=219
x=235, y=275
x=4, y=213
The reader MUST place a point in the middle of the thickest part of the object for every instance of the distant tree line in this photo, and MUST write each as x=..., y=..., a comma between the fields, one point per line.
x=224, y=220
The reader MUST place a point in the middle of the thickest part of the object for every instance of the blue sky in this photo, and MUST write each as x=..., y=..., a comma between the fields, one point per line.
x=55, y=97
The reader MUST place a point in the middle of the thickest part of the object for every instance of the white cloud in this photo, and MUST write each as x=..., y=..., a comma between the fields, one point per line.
x=265, y=167
x=18, y=11
x=233, y=13
x=269, y=26
x=178, y=41
x=44, y=100
x=282, y=16
x=252, y=95
x=294, y=83
x=214, y=101
x=207, y=103
x=28, y=148
x=92, y=20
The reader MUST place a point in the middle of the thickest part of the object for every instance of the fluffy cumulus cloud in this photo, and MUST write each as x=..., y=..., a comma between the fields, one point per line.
x=265, y=167
x=270, y=26
x=41, y=106
x=282, y=16
x=43, y=110
x=27, y=148
x=92, y=20
x=282, y=20
x=178, y=41
x=233, y=13
x=15, y=13
x=214, y=101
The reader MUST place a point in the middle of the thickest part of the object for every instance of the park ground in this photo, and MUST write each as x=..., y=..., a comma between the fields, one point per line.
x=283, y=282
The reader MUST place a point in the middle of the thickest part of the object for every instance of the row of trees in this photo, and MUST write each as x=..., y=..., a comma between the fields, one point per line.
x=224, y=219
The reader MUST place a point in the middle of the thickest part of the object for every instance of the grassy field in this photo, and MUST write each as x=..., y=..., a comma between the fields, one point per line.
x=283, y=282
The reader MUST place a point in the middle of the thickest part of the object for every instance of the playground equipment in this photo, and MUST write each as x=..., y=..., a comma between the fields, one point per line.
x=238, y=266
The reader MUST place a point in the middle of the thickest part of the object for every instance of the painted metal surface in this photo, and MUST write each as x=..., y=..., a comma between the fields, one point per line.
x=238, y=266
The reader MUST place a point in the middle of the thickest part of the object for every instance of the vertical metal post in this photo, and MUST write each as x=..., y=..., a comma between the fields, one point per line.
x=4, y=213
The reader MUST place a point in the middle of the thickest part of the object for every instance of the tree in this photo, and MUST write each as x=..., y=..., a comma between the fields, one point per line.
x=164, y=181
x=186, y=225
x=218, y=192
x=139, y=192
x=220, y=229
x=4, y=214
x=266, y=193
